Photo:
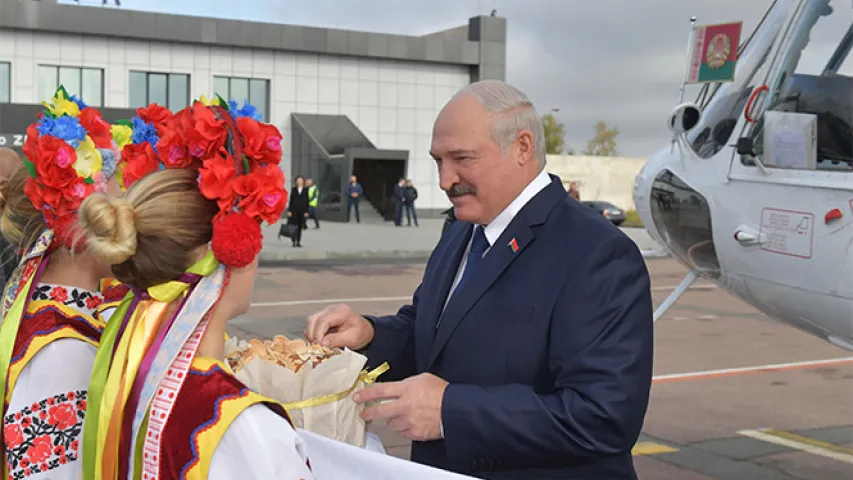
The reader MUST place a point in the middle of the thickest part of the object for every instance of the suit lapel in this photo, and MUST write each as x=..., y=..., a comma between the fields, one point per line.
x=509, y=246
x=500, y=256
x=439, y=286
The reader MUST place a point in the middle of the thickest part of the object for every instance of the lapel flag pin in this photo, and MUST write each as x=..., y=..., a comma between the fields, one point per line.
x=513, y=244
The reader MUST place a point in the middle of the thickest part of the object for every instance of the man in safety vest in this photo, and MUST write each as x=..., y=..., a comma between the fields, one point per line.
x=313, y=200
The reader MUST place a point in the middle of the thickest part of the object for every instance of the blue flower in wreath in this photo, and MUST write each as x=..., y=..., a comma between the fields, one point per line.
x=144, y=132
x=246, y=110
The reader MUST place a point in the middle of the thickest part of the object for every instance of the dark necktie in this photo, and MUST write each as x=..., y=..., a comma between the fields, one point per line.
x=479, y=244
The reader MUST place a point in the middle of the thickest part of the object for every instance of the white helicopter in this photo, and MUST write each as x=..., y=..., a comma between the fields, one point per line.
x=756, y=191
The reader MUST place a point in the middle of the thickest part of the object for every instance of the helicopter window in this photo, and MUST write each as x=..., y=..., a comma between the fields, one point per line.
x=682, y=217
x=816, y=77
x=721, y=115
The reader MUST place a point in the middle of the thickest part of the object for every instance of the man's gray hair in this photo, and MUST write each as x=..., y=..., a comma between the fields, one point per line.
x=514, y=111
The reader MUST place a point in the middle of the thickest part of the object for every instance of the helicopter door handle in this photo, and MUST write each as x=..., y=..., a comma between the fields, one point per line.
x=746, y=237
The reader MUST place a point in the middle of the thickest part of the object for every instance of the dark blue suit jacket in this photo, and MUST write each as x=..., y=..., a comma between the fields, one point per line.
x=547, y=348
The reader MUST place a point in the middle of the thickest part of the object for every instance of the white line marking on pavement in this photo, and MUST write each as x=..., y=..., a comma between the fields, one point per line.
x=811, y=447
x=752, y=369
x=329, y=301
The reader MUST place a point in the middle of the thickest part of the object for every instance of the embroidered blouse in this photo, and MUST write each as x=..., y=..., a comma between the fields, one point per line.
x=48, y=381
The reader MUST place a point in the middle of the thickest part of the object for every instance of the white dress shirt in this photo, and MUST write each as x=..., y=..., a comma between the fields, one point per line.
x=494, y=229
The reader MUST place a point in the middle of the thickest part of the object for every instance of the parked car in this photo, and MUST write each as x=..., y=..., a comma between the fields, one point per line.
x=610, y=211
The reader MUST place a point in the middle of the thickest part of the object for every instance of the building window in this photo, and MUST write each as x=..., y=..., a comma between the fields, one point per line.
x=5, y=82
x=86, y=83
x=253, y=90
x=171, y=90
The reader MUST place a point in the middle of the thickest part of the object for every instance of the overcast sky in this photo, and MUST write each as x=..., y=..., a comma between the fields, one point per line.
x=620, y=61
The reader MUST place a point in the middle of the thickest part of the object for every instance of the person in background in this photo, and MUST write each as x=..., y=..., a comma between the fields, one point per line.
x=9, y=163
x=526, y=351
x=411, y=196
x=398, y=196
x=297, y=210
x=313, y=200
x=354, y=193
x=574, y=192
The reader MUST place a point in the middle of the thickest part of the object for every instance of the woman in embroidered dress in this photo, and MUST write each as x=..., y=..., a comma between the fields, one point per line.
x=49, y=332
x=185, y=237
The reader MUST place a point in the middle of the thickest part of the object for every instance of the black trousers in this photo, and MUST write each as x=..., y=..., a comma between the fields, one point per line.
x=298, y=219
x=398, y=213
x=353, y=204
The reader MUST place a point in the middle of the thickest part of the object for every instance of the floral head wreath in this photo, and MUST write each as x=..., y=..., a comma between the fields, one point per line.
x=237, y=158
x=70, y=154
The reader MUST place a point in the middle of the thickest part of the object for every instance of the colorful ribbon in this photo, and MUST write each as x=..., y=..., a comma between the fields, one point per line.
x=119, y=366
x=17, y=301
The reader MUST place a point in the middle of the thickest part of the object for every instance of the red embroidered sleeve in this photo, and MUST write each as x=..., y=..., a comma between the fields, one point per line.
x=44, y=435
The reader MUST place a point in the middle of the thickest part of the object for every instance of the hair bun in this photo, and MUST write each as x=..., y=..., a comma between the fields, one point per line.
x=110, y=228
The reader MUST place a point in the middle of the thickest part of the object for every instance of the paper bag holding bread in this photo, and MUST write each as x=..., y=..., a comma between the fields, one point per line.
x=314, y=383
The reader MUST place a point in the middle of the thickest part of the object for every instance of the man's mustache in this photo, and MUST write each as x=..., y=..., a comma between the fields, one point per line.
x=459, y=190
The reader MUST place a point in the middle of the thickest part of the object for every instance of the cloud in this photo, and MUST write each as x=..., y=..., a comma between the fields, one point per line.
x=616, y=60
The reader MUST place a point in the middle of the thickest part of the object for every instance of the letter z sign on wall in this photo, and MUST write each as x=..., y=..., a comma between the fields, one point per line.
x=12, y=139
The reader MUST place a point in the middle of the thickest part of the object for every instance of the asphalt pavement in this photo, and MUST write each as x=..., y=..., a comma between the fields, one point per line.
x=336, y=241
x=736, y=396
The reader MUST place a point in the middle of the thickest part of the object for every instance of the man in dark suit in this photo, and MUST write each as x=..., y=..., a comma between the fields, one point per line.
x=398, y=196
x=354, y=193
x=297, y=210
x=526, y=352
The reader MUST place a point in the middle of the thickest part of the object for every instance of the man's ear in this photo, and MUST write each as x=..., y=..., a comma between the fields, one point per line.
x=524, y=147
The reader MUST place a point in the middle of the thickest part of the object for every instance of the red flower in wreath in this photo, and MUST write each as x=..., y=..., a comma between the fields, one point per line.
x=30, y=147
x=263, y=194
x=172, y=149
x=140, y=160
x=208, y=133
x=155, y=114
x=97, y=128
x=54, y=161
x=262, y=142
x=216, y=179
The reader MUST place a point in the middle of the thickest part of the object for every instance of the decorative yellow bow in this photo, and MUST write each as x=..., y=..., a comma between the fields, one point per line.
x=365, y=377
x=169, y=291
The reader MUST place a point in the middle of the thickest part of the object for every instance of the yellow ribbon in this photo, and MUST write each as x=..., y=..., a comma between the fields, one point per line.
x=168, y=292
x=142, y=326
x=365, y=376
x=106, y=454
x=140, y=338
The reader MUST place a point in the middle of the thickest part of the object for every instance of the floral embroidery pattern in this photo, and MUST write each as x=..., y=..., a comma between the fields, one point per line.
x=45, y=435
x=73, y=297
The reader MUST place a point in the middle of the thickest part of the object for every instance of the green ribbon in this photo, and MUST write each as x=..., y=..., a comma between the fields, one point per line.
x=166, y=292
x=97, y=383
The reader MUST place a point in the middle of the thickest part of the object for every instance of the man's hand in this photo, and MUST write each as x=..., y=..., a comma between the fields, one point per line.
x=339, y=326
x=414, y=409
x=289, y=214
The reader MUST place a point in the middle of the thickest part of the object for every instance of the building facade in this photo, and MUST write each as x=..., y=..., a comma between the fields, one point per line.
x=345, y=101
